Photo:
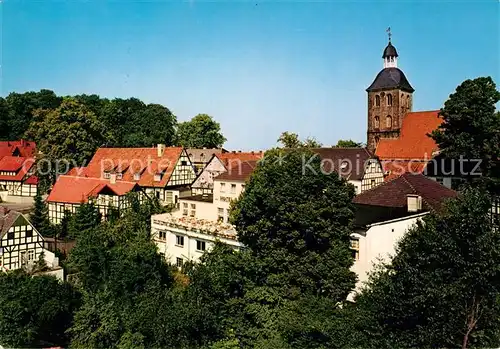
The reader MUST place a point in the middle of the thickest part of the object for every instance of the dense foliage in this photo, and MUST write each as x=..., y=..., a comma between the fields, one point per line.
x=442, y=288
x=287, y=288
x=348, y=143
x=471, y=126
x=201, y=131
x=35, y=311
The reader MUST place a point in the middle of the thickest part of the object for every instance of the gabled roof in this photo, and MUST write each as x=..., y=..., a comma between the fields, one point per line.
x=394, y=193
x=19, y=165
x=413, y=141
x=144, y=161
x=238, y=172
x=202, y=155
x=230, y=159
x=7, y=218
x=348, y=162
x=76, y=190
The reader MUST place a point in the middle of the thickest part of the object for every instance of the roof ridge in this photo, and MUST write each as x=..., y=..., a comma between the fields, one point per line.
x=417, y=192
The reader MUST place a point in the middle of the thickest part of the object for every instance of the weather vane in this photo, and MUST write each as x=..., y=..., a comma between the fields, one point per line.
x=389, y=33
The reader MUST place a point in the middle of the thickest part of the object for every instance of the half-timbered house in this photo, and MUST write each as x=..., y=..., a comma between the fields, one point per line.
x=17, y=176
x=220, y=163
x=162, y=172
x=70, y=192
x=356, y=165
x=20, y=243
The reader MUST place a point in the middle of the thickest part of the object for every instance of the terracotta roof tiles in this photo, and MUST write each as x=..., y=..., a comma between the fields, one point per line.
x=413, y=142
x=144, y=161
x=72, y=189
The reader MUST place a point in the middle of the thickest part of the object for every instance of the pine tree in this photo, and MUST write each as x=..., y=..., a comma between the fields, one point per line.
x=87, y=216
x=39, y=217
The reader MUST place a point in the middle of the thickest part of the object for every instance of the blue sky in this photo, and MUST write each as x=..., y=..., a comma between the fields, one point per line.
x=259, y=67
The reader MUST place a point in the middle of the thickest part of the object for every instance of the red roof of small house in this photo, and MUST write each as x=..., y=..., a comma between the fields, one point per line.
x=232, y=158
x=238, y=172
x=75, y=190
x=413, y=141
x=19, y=165
x=19, y=148
x=395, y=168
x=394, y=193
x=131, y=161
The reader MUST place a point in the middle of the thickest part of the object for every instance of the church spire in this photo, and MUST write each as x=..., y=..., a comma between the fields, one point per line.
x=390, y=55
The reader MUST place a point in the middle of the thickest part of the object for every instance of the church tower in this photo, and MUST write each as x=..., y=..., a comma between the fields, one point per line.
x=390, y=97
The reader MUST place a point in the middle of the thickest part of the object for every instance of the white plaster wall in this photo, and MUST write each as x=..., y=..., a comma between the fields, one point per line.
x=379, y=243
x=189, y=251
x=204, y=210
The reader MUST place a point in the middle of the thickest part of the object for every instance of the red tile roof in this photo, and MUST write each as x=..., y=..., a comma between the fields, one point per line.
x=130, y=161
x=394, y=193
x=413, y=142
x=238, y=172
x=230, y=159
x=24, y=148
x=75, y=190
x=19, y=165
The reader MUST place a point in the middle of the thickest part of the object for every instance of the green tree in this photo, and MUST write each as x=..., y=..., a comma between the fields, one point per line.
x=442, y=288
x=86, y=217
x=4, y=120
x=123, y=280
x=39, y=217
x=471, y=124
x=296, y=222
x=21, y=107
x=348, y=143
x=201, y=131
x=35, y=311
x=291, y=140
x=68, y=135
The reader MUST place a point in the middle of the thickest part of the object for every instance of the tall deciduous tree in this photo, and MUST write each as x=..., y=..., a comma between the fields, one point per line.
x=471, y=124
x=201, y=131
x=70, y=132
x=296, y=222
x=442, y=288
x=21, y=106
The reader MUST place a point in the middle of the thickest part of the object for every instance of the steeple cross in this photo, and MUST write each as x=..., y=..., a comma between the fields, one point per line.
x=389, y=33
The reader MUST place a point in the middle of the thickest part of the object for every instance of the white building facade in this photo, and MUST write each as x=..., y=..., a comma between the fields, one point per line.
x=185, y=239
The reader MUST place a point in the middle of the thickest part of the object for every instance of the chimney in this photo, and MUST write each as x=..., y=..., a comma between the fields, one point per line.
x=112, y=178
x=161, y=149
x=414, y=202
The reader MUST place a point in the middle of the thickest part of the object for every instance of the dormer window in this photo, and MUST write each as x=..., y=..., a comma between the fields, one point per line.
x=119, y=175
x=137, y=176
x=106, y=175
x=158, y=177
